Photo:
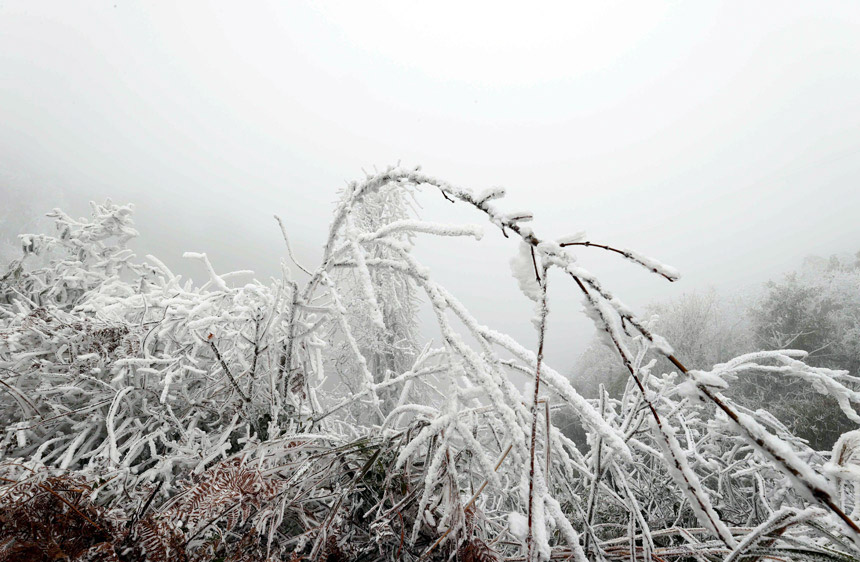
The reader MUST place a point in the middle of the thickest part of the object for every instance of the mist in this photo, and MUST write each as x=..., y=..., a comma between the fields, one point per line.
x=722, y=139
x=422, y=282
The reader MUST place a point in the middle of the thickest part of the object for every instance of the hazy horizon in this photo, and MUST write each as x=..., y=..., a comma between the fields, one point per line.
x=722, y=139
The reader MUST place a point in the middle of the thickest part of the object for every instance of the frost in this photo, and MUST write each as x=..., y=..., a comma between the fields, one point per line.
x=689, y=483
x=518, y=525
x=217, y=281
x=524, y=271
x=296, y=407
x=571, y=238
x=490, y=194
x=516, y=217
x=700, y=379
x=650, y=263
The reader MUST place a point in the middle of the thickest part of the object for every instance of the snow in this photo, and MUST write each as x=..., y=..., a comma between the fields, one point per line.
x=514, y=217
x=489, y=194
x=571, y=238
x=438, y=229
x=131, y=375
x=844, y=460
x=523, y=269
x=689, y=483
x=213, y=277
x=518, y=525
x=653, y=264
x=689, y=388
x=365, y=279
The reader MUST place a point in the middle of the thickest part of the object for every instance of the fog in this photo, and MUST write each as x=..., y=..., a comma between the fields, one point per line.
x=723, y=139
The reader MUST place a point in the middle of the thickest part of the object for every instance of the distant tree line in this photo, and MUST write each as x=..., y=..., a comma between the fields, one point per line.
x=816, y=309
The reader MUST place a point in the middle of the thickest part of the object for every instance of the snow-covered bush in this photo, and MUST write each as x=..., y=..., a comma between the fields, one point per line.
x=245, y=421
x=816, y=309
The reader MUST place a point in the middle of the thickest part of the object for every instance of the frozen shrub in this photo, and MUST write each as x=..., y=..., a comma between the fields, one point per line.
x=244, y=421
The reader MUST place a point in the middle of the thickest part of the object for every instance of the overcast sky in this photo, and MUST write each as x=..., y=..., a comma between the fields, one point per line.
x=721, y=138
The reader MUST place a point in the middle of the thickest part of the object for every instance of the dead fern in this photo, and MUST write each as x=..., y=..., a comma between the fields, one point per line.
x=476, y=550
x=51, y=518
x=46, y=517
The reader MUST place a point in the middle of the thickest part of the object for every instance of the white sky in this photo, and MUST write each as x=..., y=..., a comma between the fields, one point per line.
x=722, y=138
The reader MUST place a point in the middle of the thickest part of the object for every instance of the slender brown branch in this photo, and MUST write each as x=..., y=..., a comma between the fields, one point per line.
x=598, y=453
x=548, y=443
x=534, y=263
x=534, y=409
x=227, y=370
x=624, y=253
x=75, y=509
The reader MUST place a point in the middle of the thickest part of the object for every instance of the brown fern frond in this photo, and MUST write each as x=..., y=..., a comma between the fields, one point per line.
x=52, y=518
x=230, y=491
x=49, y=517
x=476, y=550
x=156, y=539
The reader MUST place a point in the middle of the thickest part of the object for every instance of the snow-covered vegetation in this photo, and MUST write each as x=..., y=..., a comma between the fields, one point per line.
x=149, y=418
x=815, y=309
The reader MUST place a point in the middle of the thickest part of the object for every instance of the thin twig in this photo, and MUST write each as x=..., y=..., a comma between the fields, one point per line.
x=534, y=410
x=227, y=370
x=289, y=248
x=624, y=253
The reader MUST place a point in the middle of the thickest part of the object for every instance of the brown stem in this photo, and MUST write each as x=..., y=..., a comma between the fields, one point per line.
x=534, y=263
x=75, y=509
x=534, y=410
x=227, y=370
x=626, y=254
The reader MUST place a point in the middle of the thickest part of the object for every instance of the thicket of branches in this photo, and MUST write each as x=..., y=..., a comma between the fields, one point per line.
x=815, y=309
x=148, y=418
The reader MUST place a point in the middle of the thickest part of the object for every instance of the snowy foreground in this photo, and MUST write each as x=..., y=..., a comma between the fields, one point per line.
x=150, y=419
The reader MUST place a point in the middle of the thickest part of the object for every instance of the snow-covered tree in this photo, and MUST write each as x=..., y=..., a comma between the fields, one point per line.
x=704, y=328
x=389, y=345
x=816, y=309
